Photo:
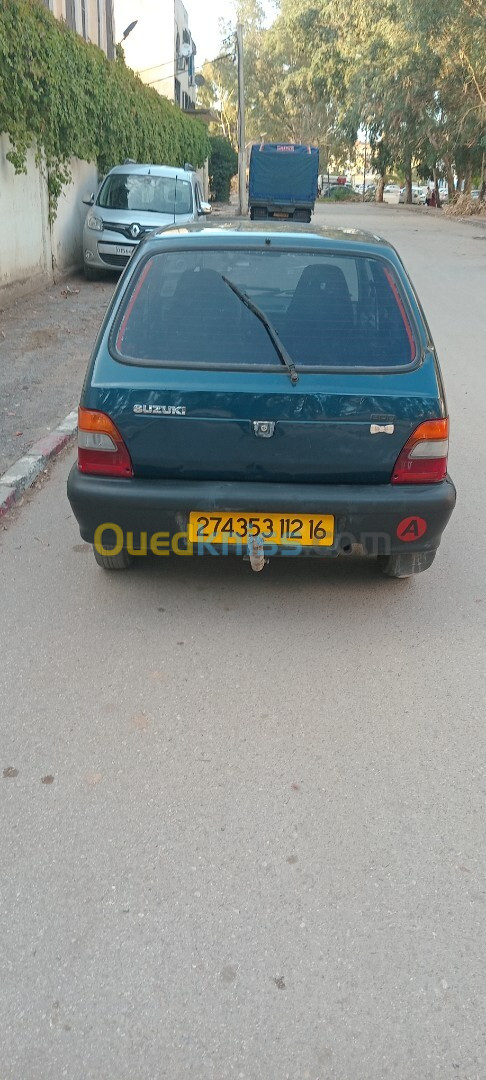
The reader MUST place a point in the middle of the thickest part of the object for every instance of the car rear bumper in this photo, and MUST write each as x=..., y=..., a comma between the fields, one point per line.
x=259, y=207
x=369, y=516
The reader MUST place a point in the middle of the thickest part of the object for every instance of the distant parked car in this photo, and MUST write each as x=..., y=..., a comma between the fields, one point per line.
x=475, y=193
x=419, y=194
x=132, y=201
x=358, y=187
x=261, y=390
x=391, y=193
x=340, y=191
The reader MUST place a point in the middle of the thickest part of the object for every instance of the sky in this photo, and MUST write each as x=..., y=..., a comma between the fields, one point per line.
x=204, y=24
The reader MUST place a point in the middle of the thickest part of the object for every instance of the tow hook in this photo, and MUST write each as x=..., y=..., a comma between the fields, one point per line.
x=255, y=553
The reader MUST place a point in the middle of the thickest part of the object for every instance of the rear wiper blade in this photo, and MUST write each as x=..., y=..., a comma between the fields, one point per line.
x=269, y=327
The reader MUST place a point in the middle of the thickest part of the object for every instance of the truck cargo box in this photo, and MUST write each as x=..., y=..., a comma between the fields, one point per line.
x=283, y=180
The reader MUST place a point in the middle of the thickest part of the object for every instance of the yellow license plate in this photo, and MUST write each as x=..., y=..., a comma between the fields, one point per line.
x=308, y=530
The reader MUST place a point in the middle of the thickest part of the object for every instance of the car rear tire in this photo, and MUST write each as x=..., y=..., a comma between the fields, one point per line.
x=120, y=561
x=406, y=565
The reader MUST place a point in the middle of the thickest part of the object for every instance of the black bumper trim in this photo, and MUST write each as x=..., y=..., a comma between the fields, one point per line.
x=367, y=515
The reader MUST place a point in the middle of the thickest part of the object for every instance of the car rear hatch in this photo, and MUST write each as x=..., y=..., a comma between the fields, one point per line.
x=317, y=432
x=185, y=418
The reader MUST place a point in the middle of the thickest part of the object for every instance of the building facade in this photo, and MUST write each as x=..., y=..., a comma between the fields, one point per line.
x=160, y=48
x=92, y=19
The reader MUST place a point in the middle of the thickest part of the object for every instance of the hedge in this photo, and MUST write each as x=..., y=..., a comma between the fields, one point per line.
x=223, y=164
x=61, y=96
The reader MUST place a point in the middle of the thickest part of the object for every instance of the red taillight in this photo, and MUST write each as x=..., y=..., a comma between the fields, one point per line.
x=423, y=459
x=101, y=448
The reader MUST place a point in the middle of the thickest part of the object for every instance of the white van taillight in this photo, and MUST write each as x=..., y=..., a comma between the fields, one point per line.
x=423, y=459
x=101, y=449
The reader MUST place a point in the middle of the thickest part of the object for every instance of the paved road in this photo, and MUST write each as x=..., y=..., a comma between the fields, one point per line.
x=243, y=816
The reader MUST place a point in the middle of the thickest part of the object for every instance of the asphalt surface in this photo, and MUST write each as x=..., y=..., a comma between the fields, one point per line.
x=243, y=815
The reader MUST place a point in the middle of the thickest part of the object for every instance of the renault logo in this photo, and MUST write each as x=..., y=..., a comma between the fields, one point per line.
x=134, y=231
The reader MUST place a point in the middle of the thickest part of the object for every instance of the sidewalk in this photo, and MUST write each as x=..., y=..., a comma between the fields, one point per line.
x=45, y=343
x=46, y=340
x=226, y=210
x=433, y=211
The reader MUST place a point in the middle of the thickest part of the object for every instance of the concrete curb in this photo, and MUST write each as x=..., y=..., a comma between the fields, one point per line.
x=24, y=472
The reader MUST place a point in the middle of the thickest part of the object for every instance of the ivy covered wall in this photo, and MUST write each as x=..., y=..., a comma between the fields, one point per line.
x=61, y=97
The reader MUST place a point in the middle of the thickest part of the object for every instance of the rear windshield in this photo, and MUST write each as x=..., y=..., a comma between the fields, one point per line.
x=329, y=311
x=147, y=194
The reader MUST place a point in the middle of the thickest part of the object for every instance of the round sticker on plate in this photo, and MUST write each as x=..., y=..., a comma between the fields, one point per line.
x=411, y=528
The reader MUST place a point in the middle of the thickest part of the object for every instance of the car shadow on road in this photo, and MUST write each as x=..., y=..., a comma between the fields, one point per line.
x=289, y=593
x=281, y=571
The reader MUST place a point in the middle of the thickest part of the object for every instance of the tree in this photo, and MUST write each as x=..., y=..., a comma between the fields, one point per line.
x=220, y=92
x=223, y=164
x=382, y=161
x=413, y=75
x=221, y=77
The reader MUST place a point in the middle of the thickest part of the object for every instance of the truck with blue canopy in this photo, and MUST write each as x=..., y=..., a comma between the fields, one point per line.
x=283, y=181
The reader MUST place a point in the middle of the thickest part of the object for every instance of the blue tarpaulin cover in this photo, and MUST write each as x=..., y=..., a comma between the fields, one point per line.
x=283, y=173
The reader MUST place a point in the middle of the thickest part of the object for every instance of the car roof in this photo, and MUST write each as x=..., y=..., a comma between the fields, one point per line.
x=281, y=234
x=153, y=170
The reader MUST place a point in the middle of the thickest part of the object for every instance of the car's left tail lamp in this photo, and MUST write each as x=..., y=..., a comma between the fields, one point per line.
x=101, y=449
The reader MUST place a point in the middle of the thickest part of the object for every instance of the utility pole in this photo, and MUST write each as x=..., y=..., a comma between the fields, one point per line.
x=364, y=170
x=241, y=123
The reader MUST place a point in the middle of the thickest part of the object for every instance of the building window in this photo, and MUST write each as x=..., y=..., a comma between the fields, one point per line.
x=99, y=23
x=177, y=87
x=110, y=34
x=83, y=19
x=71, y=14
x=191, y=71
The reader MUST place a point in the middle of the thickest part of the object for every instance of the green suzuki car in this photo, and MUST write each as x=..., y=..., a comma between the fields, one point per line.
x=263, y=391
